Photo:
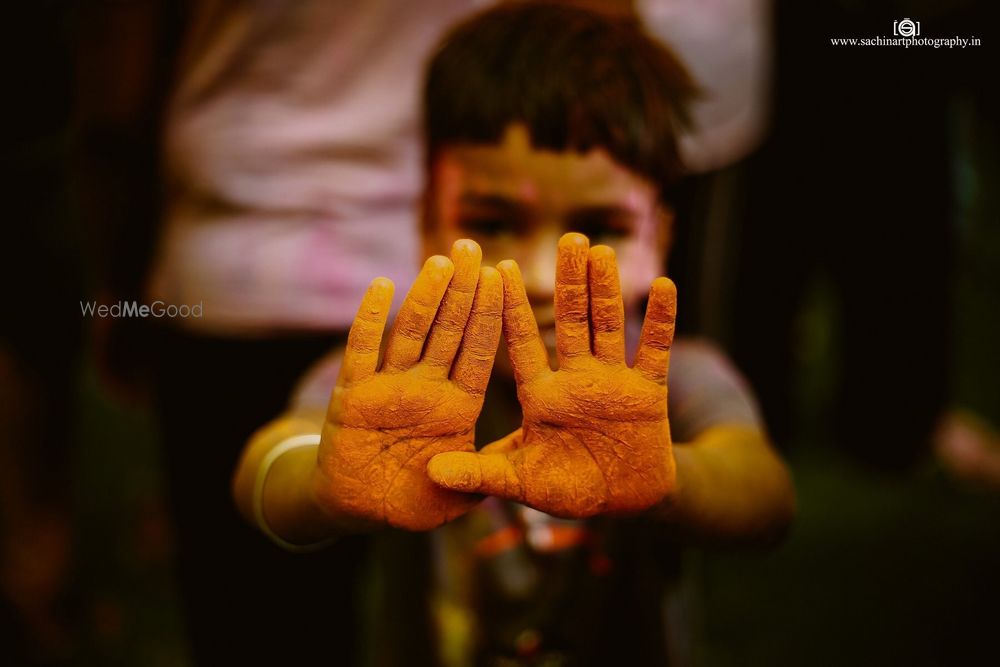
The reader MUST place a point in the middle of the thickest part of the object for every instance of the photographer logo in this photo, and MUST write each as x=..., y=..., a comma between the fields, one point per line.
x=906, y=28
x=906, y=34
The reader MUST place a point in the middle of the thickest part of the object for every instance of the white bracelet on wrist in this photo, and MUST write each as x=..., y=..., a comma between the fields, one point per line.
x=286, y=445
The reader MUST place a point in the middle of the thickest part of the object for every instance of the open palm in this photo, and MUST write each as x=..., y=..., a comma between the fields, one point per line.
x=384, y=424
x=595, y=437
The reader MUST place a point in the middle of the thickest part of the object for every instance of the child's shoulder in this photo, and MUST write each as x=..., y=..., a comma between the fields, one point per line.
x=706, y=389
x=314, y=387
x=694, y=356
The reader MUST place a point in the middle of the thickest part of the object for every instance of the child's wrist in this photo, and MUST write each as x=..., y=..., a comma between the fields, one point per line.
x=286, y=463
x=326, y=506
x=329, y=514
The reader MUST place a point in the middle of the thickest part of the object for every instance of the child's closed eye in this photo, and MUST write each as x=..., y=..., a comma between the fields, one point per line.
x=484, y=226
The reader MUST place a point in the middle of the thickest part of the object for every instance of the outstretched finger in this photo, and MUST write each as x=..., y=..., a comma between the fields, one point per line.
x=607, y=312
x=482, y=335
x=452, y=316
x=571, y=302
x=653, y=357
x=409, y=332
x=488, y=474
x=365, y=337
x=524, y=344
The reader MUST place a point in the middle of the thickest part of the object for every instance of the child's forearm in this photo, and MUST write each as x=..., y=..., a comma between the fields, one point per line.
x=287, y=499
x=733, y=489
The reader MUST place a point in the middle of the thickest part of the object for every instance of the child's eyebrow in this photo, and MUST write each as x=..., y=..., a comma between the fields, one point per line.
x=492, y=201
x=602, y=212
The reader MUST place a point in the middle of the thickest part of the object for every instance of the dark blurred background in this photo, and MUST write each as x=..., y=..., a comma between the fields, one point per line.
x=859, y=291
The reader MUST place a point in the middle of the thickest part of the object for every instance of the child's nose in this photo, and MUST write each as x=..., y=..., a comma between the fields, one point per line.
x=538, y=269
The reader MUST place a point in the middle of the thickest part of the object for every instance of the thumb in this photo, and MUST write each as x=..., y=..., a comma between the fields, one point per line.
x=488, y=474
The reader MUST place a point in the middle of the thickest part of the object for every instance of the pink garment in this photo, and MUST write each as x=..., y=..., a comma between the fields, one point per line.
x=293, y=154
x=293, y=159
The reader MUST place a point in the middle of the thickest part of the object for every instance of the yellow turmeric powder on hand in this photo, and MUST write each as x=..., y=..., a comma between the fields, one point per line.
x=384, y=424
x=595, y=437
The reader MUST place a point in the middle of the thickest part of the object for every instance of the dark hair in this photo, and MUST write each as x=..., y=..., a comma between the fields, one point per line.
x=578, y=80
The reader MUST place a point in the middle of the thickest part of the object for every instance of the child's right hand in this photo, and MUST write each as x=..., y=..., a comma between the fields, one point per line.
x=384, y=425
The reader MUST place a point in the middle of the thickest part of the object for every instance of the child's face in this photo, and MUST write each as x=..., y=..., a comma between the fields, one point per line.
x=516, y=201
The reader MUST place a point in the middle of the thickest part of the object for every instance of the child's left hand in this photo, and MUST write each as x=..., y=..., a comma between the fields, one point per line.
x=595, y=437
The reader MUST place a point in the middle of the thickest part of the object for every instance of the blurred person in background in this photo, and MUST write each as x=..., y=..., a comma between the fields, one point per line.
x=251, y=159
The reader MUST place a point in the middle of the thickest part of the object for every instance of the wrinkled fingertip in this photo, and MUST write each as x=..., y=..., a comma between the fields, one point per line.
x=489, y=274
x=466, y=247
x=490, y=279
x=508, y=268
x=664, y=286
x=573, y=240
x=513, y=283
x=440, y=265
x=602, y=253
x=457, y=471
x=489, y=291
x=380, y=289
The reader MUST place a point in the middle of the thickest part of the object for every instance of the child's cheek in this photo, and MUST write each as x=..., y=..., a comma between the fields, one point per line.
x=639, y=265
